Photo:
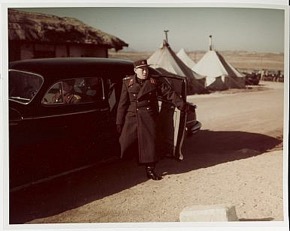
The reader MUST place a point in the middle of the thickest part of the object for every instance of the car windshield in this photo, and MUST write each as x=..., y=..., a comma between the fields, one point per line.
x=23, y=86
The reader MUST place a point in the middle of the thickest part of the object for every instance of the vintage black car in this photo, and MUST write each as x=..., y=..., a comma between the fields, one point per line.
x=50, y=133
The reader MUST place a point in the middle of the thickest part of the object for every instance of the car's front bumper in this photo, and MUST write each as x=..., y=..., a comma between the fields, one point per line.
x=193, y=127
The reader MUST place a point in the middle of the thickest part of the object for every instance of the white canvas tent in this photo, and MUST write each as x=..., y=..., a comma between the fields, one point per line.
x=219, y=73
x=167, y=62
x=185, y=58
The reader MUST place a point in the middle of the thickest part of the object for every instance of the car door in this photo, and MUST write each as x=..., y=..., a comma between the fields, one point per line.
x=56, y=132
x=80, y=114
x=172, y=122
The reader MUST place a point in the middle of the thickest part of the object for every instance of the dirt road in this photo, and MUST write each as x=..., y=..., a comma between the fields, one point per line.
x=235, y=159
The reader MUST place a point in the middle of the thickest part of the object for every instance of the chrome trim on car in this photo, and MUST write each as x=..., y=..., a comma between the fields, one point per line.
x=66, y=114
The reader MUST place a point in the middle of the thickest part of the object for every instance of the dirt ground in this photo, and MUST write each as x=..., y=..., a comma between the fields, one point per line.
x=235, y=159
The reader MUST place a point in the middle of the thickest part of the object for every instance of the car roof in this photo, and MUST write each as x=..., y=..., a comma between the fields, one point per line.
x=74, y=67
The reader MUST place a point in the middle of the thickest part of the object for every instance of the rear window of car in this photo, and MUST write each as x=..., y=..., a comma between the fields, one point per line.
x=23, y=86
x=75, y=91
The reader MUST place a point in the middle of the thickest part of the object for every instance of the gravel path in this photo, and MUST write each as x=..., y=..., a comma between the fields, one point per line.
x=236, y=159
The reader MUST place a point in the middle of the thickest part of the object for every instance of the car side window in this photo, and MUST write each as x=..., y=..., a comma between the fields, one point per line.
x=75, y=91
x=23, y=86
x=50, y=96
x=91, y=89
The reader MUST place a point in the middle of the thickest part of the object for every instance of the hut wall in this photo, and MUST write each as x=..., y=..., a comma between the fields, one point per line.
x=87, y=51
x=43, y=50
x=14, y=51
x=24, y=50
x=61, y=51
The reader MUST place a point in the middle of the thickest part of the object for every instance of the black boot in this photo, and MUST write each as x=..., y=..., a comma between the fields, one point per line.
x=151, y=174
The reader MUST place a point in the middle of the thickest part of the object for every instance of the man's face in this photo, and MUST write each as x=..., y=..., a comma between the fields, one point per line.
x=142, y=72
x=66, y=87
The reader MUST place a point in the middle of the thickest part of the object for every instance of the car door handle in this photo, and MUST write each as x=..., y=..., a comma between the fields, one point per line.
x=104, y=109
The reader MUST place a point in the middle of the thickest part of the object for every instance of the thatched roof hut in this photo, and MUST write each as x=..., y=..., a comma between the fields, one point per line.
x=37, y=27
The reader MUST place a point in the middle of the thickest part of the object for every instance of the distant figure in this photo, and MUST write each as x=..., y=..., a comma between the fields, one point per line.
x=262, y=74
x=278, y=76
x=94, y=88
x=67, y=94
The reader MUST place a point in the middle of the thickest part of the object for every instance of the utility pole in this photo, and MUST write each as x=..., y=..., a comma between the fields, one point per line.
x=166, y=36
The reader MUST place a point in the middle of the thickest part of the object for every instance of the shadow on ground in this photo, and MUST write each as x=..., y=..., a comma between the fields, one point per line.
x=205, y=149
x=261, y=219
x=208, y=148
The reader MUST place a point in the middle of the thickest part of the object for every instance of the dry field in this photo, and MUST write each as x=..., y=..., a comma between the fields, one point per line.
x=241, y=60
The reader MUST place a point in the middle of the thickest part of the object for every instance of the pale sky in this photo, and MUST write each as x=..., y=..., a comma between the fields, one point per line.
x=247, y=29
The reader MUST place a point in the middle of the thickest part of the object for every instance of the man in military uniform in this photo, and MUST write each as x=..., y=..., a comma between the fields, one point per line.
x=137, y=114
x=67, y=94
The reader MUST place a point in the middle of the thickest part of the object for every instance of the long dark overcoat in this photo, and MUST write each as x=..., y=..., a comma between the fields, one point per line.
x=138, y=114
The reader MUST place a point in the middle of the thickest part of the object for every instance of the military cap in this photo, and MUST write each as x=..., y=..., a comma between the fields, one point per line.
x=140, y=63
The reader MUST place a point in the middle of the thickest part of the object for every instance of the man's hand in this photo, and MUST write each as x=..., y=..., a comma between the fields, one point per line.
x=119, y=128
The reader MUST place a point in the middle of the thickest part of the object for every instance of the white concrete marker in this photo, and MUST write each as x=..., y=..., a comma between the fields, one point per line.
x=207, y=213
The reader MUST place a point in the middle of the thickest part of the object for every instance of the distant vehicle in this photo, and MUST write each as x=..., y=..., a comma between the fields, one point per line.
x=252, y=78
x=49, y=136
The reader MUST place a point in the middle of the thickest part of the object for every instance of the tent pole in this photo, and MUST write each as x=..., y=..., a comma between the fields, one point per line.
x=166, y=36
x=210, y=42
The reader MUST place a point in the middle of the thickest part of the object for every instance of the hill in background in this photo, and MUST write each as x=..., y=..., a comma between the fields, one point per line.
x=242, y=60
